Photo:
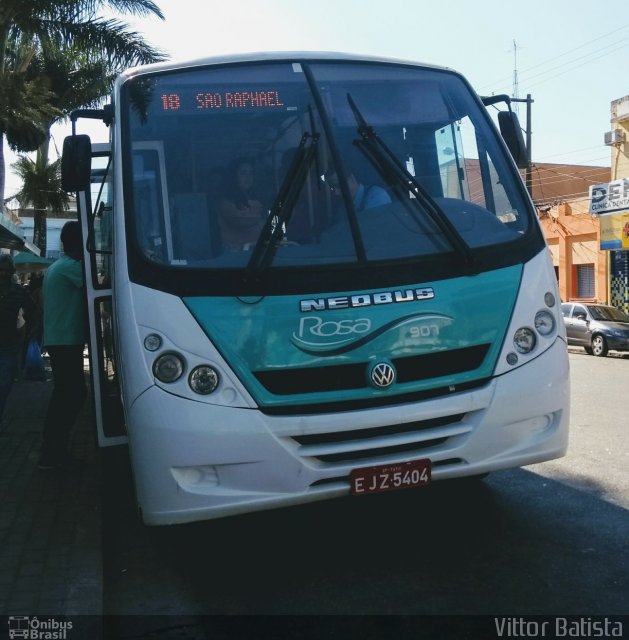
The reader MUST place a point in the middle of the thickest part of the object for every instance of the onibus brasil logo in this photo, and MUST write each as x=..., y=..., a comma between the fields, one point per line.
x=34, y=628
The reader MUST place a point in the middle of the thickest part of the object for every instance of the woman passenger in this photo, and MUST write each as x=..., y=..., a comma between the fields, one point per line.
x=240, y=213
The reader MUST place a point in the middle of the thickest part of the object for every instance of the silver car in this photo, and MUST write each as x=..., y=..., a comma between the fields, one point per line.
x=596, y=327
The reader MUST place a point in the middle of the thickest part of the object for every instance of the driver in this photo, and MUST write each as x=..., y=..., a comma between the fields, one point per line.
x=363, y=196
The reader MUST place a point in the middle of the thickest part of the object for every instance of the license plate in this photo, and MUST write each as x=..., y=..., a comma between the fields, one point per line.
x=390, y=477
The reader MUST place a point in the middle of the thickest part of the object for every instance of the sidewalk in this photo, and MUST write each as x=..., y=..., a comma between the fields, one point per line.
x=50, y=521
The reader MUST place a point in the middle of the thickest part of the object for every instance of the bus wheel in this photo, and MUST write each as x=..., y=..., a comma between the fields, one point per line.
x=599, y=346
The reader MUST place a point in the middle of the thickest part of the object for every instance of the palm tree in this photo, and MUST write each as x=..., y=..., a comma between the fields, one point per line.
x=75, y=81
x=24, y=104
x=49, y=29
x=41, y=189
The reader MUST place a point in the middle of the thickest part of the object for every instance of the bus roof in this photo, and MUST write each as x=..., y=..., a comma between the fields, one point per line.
x=268, y=56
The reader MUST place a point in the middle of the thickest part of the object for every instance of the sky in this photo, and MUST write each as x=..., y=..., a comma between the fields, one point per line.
x=570, y=55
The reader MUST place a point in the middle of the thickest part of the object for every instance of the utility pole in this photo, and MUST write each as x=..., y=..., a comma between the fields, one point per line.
x=529, y=151
x=529, y=101
x=516, y=90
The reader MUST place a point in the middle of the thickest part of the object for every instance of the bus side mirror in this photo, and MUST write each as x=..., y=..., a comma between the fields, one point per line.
x=76, y=163
x=512, y=134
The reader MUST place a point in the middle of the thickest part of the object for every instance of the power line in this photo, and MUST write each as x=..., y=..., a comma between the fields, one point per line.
x=560, y=178
x=573, y=176
x=555, y=182
x=622, y=46
x=541, y=182
x=562, y=197
x=589, y=162
x=561, y=55
x=573, y=151
x=624, y=42
x=555, y=187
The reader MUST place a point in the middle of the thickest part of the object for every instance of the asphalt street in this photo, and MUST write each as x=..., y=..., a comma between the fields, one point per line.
x=543, y=540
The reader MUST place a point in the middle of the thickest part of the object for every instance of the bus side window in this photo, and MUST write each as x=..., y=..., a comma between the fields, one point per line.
x=152, y=211
x=100, y=239
x=148, y=214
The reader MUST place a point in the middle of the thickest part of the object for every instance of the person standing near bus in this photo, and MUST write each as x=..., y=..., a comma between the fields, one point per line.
x=13, y=298
x=65, y=334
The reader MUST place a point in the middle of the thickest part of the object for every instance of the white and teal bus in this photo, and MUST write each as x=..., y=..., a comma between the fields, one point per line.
x=392, y=320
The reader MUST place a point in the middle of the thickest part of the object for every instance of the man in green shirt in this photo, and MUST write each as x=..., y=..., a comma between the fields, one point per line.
x=64, y=338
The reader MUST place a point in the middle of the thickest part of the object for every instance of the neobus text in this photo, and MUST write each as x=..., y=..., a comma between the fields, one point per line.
x=366, y=299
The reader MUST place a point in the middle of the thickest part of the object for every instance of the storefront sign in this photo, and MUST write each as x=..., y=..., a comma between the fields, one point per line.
x=615, y=231
x=611, y=197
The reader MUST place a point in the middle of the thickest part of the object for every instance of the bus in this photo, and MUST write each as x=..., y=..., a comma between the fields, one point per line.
x=388, y=317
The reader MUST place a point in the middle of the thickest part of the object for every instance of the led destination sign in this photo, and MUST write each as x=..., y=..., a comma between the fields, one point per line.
x=222, y=100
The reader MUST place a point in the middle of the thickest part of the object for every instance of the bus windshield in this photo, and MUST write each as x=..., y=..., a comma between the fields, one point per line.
x=284, y=165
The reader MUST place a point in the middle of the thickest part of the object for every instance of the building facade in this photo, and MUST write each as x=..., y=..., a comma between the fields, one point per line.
x=585, y=271
x=560, y=193
x=619, y=259
x=573, y=237
x=53, y=233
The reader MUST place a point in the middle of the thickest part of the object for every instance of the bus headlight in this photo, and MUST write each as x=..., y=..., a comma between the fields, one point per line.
x=168, y=367
x=524, y=340
x=152, y=342
x=544, y=323
x=203, y=379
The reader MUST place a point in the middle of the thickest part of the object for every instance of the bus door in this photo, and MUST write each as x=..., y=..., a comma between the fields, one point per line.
x=96, y=214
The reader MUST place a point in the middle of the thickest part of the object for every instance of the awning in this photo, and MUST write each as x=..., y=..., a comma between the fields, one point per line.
x=25, y=261
x=11, y=237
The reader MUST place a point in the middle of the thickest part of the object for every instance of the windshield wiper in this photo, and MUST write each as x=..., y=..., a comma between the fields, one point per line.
x=273, y=231
x=399, y=179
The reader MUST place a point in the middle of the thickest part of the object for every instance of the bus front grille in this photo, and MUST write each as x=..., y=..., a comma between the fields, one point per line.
x=409, y=439
x=344, y=377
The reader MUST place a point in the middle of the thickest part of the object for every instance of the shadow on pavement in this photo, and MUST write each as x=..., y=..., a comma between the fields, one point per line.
x=516, y=543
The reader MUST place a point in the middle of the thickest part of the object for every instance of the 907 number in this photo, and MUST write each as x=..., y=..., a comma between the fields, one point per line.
x=425, y=331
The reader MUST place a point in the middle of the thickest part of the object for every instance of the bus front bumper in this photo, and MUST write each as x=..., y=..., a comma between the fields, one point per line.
x=209, y=461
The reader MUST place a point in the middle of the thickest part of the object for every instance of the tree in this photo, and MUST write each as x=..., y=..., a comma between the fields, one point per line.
x=24, y=104
x=75, y=81
x=41, y=183
x=41, y=189
x=47, y=30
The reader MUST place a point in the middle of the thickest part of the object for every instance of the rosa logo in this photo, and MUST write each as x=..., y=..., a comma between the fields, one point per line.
x=328, y=328
x=318, y=334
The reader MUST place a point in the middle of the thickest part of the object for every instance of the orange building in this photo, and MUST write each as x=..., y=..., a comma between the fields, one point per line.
x=560, y=193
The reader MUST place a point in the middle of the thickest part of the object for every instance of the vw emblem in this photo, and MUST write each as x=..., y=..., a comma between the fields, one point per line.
x=382, y=375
